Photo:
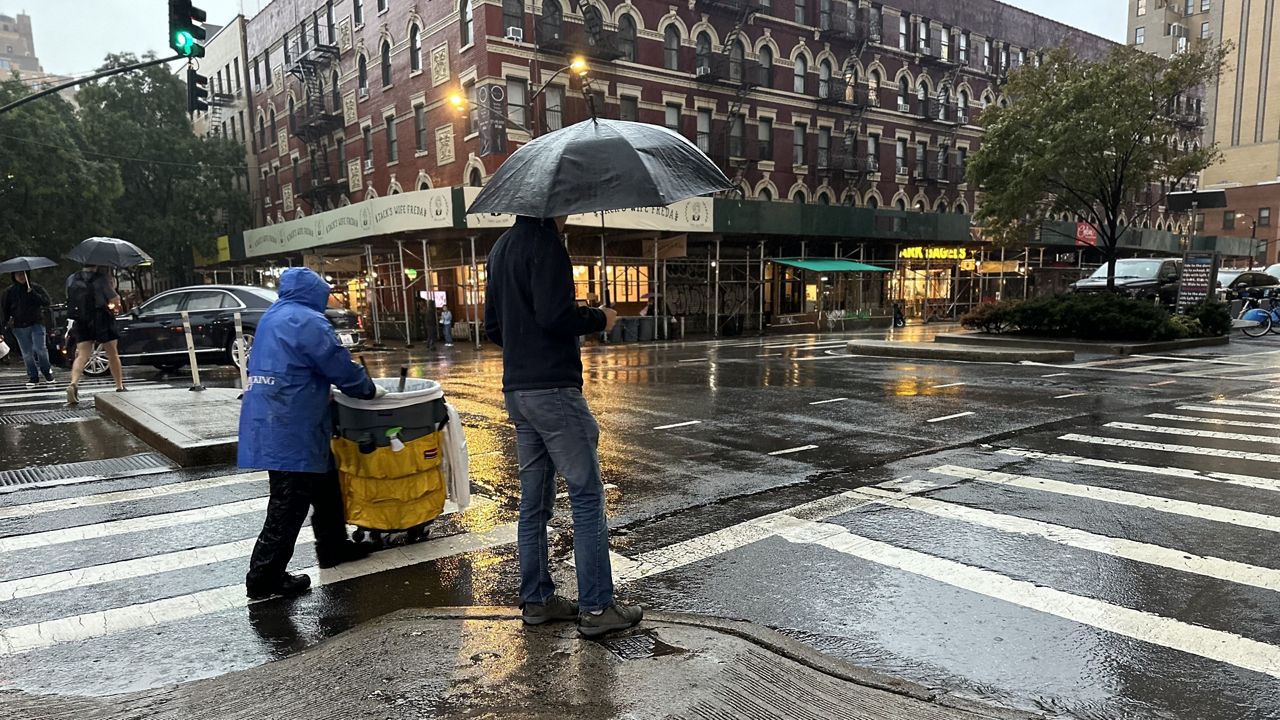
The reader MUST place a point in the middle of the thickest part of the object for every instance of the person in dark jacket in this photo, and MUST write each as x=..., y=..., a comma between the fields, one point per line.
x=285, y=428
x=530, y=311
x=92, y=304
x=23, y=304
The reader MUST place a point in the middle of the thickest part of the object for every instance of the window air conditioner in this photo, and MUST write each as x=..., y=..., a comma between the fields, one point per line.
x=904, y=106
x=364, y=93
x=1182, y=44
x=703, y=70
x=903, y=170
x=515, y=34
x=368, y=166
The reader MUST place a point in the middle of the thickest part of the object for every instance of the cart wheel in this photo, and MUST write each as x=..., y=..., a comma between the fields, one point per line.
x=416, y=534
x=359, y=536
x=377, y=538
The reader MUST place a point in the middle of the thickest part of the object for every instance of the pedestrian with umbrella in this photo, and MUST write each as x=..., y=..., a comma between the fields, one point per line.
x=24, y=303
x=92, y=304
x=531, y=312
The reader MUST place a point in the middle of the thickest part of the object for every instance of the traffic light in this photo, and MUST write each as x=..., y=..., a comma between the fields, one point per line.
x=186, y=28
x=197, y=91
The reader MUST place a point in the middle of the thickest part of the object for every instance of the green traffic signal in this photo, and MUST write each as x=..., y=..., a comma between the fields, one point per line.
x=183, y=41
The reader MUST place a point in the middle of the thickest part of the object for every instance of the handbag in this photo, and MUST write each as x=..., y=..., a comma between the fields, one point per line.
x=4, y=348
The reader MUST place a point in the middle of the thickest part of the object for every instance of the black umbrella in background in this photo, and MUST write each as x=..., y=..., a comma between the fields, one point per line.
x=599, y=165
x=109, y=251
x=26, y=264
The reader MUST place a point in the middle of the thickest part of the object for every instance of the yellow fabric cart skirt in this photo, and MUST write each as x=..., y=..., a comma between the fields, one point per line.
x=388, y=490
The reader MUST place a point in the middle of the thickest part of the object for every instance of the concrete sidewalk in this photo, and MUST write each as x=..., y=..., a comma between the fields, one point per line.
x=455, y=664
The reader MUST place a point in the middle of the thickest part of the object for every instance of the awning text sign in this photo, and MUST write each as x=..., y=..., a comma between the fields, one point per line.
x=692, y=215
x=403, y=212
x=933, y=253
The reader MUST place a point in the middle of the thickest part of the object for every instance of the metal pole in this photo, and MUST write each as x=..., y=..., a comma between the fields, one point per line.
x=666, y=330
x=760, y=327
x=404, y=293
x=191, y=353
x=79, y=81
x=244, y=356
x=717, y=313
x=658, y=301
x=475, y=297
x=372, y=293
x=1026, y=271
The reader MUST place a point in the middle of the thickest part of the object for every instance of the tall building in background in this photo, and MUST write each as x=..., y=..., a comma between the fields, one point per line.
x=17, y=47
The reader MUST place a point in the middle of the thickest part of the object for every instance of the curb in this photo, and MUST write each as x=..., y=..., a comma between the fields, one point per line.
x=1080, y=346
x=943, y=351
x=184, y=450
x=777, y=643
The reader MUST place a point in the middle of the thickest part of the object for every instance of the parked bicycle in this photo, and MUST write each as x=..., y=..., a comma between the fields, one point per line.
x=1255, y=319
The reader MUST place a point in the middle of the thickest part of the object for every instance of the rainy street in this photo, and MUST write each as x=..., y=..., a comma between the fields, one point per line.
x=1093, y=539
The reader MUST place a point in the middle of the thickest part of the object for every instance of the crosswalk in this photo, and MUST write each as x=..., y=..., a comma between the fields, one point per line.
x=16, y=396
x=1260, y=367
x=1188, y=495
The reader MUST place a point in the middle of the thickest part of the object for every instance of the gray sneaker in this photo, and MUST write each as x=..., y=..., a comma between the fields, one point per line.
x=555, y=609
x=73, y=397
x=614, y=618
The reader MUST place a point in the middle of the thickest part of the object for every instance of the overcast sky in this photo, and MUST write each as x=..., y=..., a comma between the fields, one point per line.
x=72, y=36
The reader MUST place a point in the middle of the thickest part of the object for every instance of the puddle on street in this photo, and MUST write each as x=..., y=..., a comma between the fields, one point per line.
x=66, y=442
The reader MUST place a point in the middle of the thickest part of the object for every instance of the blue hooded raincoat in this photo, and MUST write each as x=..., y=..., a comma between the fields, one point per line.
x=284, y=418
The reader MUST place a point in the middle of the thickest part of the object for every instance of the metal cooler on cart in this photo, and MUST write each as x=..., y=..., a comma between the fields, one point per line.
x=398, y=458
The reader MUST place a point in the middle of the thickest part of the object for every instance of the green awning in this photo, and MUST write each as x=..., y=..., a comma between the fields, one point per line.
x=828, y=265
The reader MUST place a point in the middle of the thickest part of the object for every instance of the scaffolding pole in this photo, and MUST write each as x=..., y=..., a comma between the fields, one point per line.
x=717, y=291
x=475, y=295
x=372, y=293
x=760, y=326
x=431, y=306
x=404, y=295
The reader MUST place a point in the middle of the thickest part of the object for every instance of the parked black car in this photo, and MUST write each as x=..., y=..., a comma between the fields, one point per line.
x=153, y=334
x=1142, y=278
x=1232, y=282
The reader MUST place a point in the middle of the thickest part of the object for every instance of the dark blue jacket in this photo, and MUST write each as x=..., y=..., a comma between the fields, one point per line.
x=284, y=418
x=530, y=309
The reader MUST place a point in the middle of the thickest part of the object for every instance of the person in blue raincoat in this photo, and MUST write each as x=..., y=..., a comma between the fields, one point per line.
x=285, y=428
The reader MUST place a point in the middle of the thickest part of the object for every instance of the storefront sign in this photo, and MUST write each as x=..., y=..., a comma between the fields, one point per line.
x=933, y=253
x=420, y=210
x=692, y=215
x=1199, y=278
x=491, y=109
x=1086, y=234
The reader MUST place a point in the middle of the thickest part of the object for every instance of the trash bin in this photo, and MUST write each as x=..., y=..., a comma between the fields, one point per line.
x=393, y=458
x=630, y=328
x=646, y=329
x=615, y=335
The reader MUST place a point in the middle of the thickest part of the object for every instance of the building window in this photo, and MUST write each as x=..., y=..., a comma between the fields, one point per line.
x=473, y=110
x=964, y=48
x=704, y=130
x=1142, y=7
x=357, y=12
x=627, y=38
x=1229, y=220
x=336, y=91
x=873, y=152
x=517, y=100
x=1204, y=5
x=824, y=147
x=1204, y=31
x=262, y=132
x=737, y=56
x=766, y=67
x=901, y=156
x=1004, y=58
x=274, y=131
x=629, y=109
x=824, y=79
x=386, y=64
x=415, y=49
x=1199, y=222
x=1139, y=36
x=328, y=17
x=671, y=48
x=555, y=104
x=293, y=119
x=798, y=197
x=362, y=75
x=802, y=16
x=1264, y=217
x=512, y=15
x=1191, y=8
x=765, y=137
x=368, y=145
x=737, y=136
x=922, y=158
x=986, y=54
x=382, y=6
x=797, y=144
x=904, y=35
x=962, y=105
x=467, y=23
x=923, y=40
x=420, y=128
x=393, y=153
x=801, y=67
x=703, y=53
x=257, y=76
x=673, y=118
x=904, y=95
x=945, y=50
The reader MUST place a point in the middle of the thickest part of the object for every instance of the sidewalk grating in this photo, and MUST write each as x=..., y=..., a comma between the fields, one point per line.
x=87, y=470
x=32, y=417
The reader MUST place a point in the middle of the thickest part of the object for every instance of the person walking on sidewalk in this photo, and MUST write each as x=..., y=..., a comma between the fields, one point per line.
x=91, y=307
x=24, y=303
x=285, y=428
x=531, y=313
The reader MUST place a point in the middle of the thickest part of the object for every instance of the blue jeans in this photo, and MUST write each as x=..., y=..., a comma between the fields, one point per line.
x=448, y=333
x=35, y=352
x=556, y=431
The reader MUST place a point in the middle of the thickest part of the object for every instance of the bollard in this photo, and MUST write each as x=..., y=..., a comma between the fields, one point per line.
x=244, y=357
x=191, y=353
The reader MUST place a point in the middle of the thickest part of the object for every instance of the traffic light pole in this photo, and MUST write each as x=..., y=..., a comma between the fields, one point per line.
x=105, y=73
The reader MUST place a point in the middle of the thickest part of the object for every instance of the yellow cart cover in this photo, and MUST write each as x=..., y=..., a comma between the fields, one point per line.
x=389, y=490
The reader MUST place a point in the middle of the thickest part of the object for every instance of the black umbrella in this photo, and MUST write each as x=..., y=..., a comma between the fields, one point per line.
x=25, y=264
x=599, y=165
x=108, y=251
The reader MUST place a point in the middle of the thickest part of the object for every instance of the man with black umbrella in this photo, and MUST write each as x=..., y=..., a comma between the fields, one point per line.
x=24, y=303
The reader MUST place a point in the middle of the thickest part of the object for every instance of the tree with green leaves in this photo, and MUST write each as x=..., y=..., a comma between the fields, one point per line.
x=180, y=191
x=1100, y=141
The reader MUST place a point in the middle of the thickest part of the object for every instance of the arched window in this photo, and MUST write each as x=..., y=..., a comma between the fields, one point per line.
x=942, y=206
x=703, y=52
x=904, y=94
x=386, y=63
x=872, y=202
x=766, y=66
x=824, y=199
x=335, y=91
x=824, y=79
x=262, y=131
x=922, y=93
x=737, y=55
x=962, y=104
x=467, y=23
x=671, y=48
x=765, y=195
x=945, y=104
x=474, y=178
x=850, y=83
x=627, y=38
x=415, y=49
x=900, y=204
x=512, y=15
x=293, y=121
x=362, y=74
x=274, y=130
x=797, y=81
x=798, y=197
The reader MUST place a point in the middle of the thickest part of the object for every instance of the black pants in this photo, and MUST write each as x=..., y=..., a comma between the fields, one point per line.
x=292, y=493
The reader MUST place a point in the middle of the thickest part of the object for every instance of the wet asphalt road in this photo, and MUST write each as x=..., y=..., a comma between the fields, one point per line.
x=1095, y=540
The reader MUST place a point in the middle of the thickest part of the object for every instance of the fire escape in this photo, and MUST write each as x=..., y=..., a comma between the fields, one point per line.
x=943, y=109
x=315, y=121
x=731, y=69
x=838, y=22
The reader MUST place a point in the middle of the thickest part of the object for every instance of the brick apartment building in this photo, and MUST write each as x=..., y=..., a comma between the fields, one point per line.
x=855, y=119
